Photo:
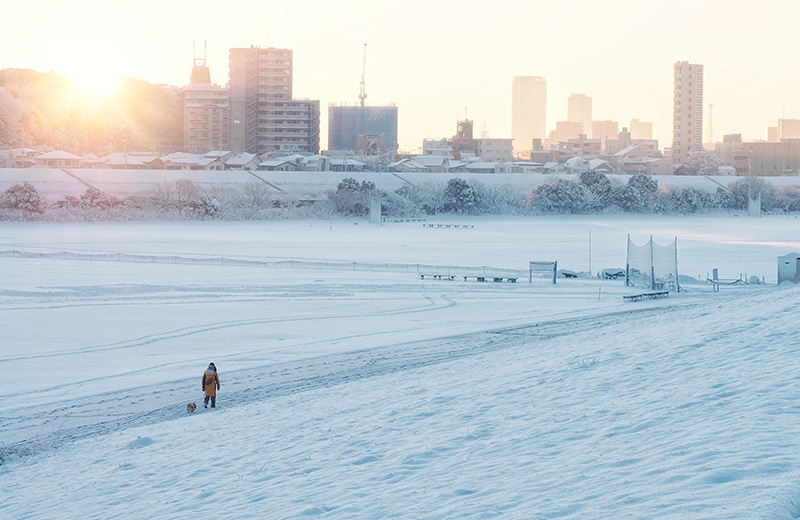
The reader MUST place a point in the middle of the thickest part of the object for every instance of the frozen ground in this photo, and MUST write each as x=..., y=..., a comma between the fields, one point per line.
x=350, y=394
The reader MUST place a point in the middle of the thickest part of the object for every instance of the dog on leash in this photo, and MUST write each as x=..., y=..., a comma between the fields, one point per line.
x=191, y=407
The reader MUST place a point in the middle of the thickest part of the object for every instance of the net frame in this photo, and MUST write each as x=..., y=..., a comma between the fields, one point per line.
x=652, y=265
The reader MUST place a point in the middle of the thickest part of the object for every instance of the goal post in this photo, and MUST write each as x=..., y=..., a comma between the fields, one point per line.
x=541, y=266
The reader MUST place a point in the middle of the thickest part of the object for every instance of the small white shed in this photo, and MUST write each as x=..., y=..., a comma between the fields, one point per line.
x=789, y=268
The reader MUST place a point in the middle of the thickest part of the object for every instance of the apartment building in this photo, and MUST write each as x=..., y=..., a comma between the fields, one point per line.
x=206, y=112
x=687, y=111
x=264, y=115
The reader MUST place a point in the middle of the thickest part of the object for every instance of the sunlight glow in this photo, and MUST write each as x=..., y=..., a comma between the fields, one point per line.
x=94, y=84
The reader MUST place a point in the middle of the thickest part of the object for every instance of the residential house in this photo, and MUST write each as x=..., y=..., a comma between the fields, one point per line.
x=58, y=159
x=244, y=161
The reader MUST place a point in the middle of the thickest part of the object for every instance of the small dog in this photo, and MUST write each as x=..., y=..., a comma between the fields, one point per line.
x=191, y=407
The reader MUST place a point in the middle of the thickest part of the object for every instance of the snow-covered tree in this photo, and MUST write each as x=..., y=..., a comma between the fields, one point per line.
x=460, y=197
x=93, y=198
x=703, y=163
x=352, y=197
x=560, y=197
x=637, y=195
x=686, y=200
x=23, y=200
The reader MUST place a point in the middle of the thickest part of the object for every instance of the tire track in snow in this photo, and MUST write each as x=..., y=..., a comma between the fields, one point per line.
x=117, y=411
x=430, y=305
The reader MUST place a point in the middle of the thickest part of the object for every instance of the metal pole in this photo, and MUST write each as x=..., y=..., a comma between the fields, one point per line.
x=628, y=262
x=652, y=267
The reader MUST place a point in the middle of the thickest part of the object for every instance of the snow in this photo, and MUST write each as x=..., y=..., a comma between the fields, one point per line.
x=361, y=394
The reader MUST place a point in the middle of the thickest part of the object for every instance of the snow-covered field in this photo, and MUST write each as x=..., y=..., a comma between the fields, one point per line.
x=363, y=394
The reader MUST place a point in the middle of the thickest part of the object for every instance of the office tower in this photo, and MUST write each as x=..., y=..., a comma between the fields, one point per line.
x=528, y=111
x=264, y=117
x=687, y=112
x=579, y=110
x=206, y=112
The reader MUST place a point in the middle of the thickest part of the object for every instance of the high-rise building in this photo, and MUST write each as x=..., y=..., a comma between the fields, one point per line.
x=788, y=129
x=346, y=124
x=264, y=116
x=687, y=111
x=528, y=111
x=579, y=110
x=206, y=112
x=641, y=129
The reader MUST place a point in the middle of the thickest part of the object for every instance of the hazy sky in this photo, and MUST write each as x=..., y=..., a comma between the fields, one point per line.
x=436, y=58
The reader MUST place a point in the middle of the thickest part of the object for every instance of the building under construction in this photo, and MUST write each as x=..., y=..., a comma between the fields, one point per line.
x=361, y=129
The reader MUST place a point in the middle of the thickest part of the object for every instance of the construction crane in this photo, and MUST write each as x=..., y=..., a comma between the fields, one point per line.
x=363, y=94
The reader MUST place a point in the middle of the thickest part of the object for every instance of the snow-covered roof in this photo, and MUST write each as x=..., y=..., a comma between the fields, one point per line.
x=574, y=161
x=628, y=149
x=121, y=159
x=57, y=154
x=429, y=160
x=340, y=161
x=206, y=161
x=183, y=158
x=217, y=154
x=241, y=159
x=276, y=162
x=482, y=166
x=593, y=164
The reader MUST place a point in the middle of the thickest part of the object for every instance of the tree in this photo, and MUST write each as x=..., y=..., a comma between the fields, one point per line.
x=352, y=198
x=561, y=197
x=460, y=197
x=600, y=188
x=703, y=163
x=747, y=187
x=637, y=195
x=686, y=200
x=23, y=198
x=93, y=198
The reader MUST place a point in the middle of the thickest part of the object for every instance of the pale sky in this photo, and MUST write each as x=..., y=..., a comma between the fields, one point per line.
x=436, y=58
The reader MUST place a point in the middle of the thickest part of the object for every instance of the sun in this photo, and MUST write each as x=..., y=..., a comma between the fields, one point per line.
x=94, y=84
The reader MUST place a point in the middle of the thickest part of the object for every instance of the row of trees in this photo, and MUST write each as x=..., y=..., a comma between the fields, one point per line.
x=592, y=193
x=44, y=109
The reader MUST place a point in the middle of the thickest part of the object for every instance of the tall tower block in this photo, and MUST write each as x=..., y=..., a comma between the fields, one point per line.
x=528, y=111
x=687, y=111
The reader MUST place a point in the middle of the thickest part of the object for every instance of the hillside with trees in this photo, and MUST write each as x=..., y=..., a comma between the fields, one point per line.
x=43, y=109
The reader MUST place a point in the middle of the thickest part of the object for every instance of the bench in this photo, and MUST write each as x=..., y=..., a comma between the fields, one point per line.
x=450, y=277
x=462, y=226
x=510, y=279
x=642, y=296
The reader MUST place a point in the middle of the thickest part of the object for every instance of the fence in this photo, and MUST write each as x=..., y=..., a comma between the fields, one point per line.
x=278, y=264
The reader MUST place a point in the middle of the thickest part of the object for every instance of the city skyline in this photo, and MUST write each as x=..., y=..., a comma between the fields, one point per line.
x=620, y=53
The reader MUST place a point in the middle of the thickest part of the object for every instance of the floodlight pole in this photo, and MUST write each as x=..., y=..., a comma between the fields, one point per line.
x=677, y=284
x=628, y=262
x=652, y=267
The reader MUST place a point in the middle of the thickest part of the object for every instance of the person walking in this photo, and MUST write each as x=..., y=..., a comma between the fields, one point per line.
x=210, y=385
